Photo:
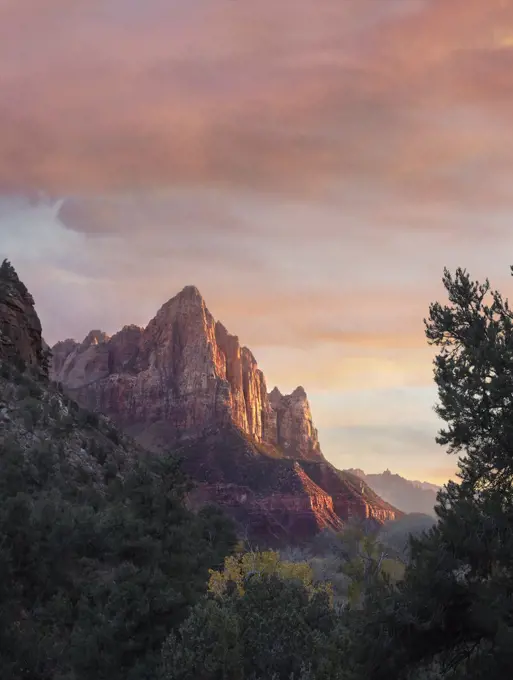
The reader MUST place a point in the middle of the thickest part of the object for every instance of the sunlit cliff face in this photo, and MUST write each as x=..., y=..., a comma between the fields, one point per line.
x=311, y=167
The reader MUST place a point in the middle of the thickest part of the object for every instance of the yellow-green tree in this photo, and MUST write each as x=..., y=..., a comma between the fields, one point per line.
x=239, y=568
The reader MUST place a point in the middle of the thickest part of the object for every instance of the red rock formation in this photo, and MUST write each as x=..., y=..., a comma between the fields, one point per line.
x=282, y=516
x=184, y=381
x=83, y=363
x=352, y=497
x=20, y=328
x=276, y=498
x=262, y=418
x=124, y=349
x=271, y=498
x=180, y=376
x=61, y=353
x=296, y=434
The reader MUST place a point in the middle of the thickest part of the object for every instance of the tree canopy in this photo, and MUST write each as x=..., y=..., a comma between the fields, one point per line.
x=93, y=579
x=455, y=604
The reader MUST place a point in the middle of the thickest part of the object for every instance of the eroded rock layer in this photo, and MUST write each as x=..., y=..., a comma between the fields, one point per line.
x=181, y=375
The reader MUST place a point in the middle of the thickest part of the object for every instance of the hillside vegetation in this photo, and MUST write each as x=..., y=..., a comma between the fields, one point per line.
x=99, y=558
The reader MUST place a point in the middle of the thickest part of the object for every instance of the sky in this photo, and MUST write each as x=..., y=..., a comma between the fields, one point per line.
x=310, y=165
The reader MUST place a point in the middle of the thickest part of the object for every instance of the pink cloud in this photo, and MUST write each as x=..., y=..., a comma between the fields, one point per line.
x=288, y=97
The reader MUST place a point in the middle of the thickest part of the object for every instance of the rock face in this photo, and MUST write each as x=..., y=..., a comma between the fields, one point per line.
x=181, y=375
x=20, y=328
x=48, y=421
x=352, y=497
x=272, y=499
x=276, y=499
x=184, y=382
x=296, y=434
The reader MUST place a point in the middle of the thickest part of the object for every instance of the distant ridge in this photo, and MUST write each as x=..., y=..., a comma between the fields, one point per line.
x=409, y=496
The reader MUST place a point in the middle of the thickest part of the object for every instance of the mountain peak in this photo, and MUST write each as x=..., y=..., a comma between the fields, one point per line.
x=357, y=472
x=190, y=293
x=183, y=374
x=187, y=309
x=276, y=393
x=8, y=273
x=189, y=299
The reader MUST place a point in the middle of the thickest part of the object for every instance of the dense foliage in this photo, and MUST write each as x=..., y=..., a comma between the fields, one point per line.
x=93, y=577
x=239, y=568
x=264, y=619
x=456, y=602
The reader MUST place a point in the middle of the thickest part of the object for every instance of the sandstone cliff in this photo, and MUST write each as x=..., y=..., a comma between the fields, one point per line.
x=272, y=499
x=184, y=382
x=181, y=375
x=277, y=499
x=20, y=329
x=296, y=434
x=352, y=497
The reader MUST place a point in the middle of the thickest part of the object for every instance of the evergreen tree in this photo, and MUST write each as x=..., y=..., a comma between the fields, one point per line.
x=455, y=605
x=93, y=580
x=7, y=271
x=8, y=275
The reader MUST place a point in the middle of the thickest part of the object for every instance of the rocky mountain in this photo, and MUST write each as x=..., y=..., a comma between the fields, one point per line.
x=21, y=341
x=35, y=418
x=185, y=383
x=409, y=496
x=427, y=486
x=181, y=375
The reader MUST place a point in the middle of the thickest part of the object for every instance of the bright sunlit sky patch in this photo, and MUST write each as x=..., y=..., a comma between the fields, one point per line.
x=310, y=165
